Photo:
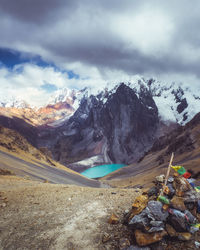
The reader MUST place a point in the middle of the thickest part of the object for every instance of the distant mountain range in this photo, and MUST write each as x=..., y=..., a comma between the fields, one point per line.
x=14, y=103
x=119, y=123
x=59, y=108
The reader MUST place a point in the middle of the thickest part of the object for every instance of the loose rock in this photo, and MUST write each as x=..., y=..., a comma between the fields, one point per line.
x=178, y=203
x=178, y=220
x=138, y=248
x=171, y=231
x=140, y=221
x=113, y=219
x=144, y=239
x=175, y=213
x=197, y=244
x=124, y=243
x=139, y=204
x=155, y=208
x=160, y=178
x=153, y=191
x=184, y=236
x=3, y=204
x=181, y=185
x=106, y=237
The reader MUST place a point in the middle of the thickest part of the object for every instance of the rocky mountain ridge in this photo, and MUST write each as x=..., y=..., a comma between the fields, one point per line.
x=55, y=112
x=117, y=124
x=176, y=102
x=116, y=131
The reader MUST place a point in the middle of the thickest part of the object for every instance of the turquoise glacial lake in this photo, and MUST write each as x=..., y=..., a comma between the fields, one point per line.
x=100, y=171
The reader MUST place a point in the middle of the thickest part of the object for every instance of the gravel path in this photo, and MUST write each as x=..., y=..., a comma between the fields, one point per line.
x=54, y=216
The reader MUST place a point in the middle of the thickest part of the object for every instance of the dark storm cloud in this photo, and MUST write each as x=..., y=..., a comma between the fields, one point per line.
x=36, y=11
x=156, y=37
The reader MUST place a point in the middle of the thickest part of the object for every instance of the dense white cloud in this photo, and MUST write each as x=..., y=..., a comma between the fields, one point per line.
x=26, y=81
x=100, y=40
x=149, y=31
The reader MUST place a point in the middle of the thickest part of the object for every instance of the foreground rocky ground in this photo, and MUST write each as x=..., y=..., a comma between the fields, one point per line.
x=37, y=215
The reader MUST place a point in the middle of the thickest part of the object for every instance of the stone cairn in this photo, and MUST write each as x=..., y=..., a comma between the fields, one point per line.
x=169, y=210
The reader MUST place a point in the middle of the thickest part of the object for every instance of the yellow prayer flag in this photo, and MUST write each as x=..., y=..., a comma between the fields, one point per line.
x=176, y=168
x=197, y=190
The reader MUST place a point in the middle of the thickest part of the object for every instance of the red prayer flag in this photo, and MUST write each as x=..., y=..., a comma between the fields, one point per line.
x=187, y=175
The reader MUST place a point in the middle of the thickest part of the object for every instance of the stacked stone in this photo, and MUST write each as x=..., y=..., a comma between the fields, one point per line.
x=175, y=214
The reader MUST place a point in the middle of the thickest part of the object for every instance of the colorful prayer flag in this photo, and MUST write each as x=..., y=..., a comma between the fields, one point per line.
x=176, y=168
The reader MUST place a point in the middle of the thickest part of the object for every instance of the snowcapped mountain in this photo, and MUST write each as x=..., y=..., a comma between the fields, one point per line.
x=117, y=123
x=62, y=95
x=72, y=97
x=58, y=109
x=122, y=121
x=176, y=102
x=14, y=103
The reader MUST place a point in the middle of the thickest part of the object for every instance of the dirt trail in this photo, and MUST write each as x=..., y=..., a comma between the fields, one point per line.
x=55, y=216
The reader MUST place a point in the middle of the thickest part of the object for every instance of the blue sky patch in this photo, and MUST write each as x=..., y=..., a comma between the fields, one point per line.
x=49, y=87
x=71, y=75
x=11, y=58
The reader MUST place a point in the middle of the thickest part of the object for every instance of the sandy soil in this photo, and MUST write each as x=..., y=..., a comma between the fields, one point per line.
x=37, y=215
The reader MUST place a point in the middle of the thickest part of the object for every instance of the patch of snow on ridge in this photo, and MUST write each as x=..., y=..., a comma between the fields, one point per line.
x=90, y=162
x=169, y=98
x=14, y=103
x=193, y=104
x=165, y=110
x=63, y=95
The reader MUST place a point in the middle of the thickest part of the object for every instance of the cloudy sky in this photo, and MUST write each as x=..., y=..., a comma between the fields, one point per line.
x=47, y=45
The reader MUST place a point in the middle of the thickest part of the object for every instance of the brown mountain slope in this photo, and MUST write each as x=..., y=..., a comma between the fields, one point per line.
x=184, y=142
x=22, y=159
x=43, y=116
x=12, y=142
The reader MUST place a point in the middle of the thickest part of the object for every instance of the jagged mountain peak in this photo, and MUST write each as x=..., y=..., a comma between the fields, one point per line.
x=116, y=123
x=176, y=102
x=63, y=95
